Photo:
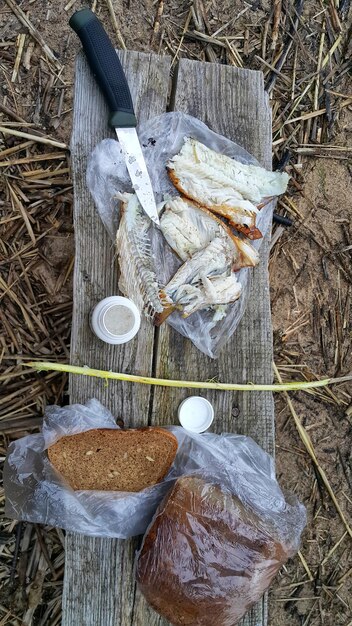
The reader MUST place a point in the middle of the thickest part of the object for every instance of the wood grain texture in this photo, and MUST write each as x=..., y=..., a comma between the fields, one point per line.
x=99, y=589
x=99, y=586
x=95, y=273
x=232, y=102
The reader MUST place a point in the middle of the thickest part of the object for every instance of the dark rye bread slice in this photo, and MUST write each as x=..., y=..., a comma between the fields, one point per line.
x=114, y=460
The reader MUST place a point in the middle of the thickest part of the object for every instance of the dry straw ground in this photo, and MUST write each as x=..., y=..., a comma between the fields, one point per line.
x=304, y=51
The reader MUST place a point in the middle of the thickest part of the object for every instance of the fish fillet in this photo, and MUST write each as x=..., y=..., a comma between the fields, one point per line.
x=214, y=259
x=188, y=228
x=224, y=185
x=183, y=234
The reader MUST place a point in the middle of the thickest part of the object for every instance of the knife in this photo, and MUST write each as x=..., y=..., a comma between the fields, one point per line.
x=106, y=67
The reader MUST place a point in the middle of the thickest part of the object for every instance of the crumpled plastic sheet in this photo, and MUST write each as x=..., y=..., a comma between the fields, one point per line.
x=37, y=493
x=161, y=138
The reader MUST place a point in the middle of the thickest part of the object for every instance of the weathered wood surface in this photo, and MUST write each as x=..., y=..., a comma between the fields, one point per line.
x=232, y=102
x=99, y=588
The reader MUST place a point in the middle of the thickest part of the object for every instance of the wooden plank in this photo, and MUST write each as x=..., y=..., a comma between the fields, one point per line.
x=99, y=586
x=232, y=102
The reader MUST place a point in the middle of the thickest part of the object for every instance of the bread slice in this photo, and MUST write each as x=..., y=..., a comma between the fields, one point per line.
x=114, y=460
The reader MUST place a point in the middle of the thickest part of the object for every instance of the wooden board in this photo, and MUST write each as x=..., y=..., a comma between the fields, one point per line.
x=99, y=588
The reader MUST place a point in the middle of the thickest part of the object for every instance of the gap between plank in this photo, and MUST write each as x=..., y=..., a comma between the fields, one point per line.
x=170, y=106
x=153, y=374
x=173, y=77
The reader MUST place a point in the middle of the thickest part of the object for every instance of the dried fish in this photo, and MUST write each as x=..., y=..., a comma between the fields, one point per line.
x=183, y=233
x=138, y=278
x=188, y=228
x=218, y=290
x=205, y=280
x=212, y=255
x=224, y=185
x=215, y=259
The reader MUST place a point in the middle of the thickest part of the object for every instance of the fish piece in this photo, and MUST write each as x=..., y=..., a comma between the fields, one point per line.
x=205, y=279
x=220, y=199
x=219, y=290
x=181, y=230
x=138, y=279
x=222, y=184
x=246, y=181
x=215, y=259
x=188, y=228
x=251, y=232
x=246, y=256
x=240, y=223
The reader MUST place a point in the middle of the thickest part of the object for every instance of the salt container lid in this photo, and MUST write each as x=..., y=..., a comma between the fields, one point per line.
x=195, y=414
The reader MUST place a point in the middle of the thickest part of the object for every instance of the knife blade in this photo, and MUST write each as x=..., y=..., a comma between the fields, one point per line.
x=106, y=66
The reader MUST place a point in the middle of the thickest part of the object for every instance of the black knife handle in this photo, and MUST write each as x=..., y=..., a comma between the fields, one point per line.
x=280, y=219
x=106, y=66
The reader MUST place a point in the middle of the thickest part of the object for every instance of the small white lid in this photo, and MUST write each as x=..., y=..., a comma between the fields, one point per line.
x=115, y=320
x=195, y=414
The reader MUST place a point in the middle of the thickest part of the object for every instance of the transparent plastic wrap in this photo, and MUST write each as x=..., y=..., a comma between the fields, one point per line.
x=37, y=493
x=161, y=138
x=217, y=541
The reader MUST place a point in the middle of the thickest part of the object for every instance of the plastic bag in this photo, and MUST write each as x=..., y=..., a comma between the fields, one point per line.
x=161, y=138
x=217, y=541
x=36, y=493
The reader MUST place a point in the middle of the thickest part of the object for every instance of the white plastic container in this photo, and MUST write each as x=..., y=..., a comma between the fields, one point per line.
x=115, y=320
x=195, y=414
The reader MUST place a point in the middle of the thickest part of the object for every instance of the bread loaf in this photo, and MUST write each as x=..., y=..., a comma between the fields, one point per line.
x=114, y=460
x=206, y=558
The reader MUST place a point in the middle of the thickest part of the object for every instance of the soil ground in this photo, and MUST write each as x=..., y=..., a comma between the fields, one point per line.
x=310, y=280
